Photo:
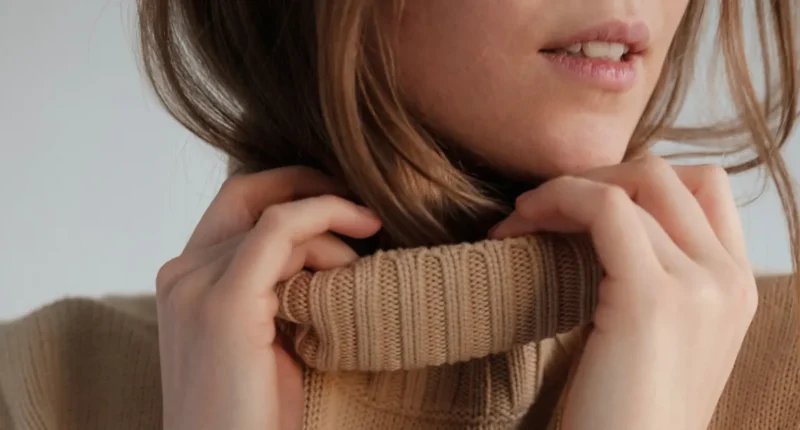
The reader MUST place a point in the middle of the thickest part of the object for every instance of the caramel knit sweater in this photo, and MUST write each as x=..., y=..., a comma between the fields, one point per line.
x=473, y=336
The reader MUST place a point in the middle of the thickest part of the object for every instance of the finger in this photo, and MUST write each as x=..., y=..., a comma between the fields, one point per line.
x=711, y=188
x=517, y=225
x=607, y=213
x=177, y=268
x=514, y=225
x=655, y=186
x=243, y=198
x=210, y=273
x=196, y=282
x=260, y=259
x=322, y=252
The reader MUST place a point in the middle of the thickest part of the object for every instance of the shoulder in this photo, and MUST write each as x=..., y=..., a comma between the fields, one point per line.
x=764, y=388
x=73, y=318
x=81, y=361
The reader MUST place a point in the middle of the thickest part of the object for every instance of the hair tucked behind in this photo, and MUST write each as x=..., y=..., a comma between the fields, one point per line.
x=311, y=82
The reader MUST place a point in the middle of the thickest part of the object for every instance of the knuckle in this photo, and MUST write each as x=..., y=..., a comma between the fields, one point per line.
x=655, y=170
x=743, y=294
x=179, y=301
x=184, y=291
x=276, y=216
x=234, y=186
x=705, y=296
x=613, y=199
x=726, y=294
x=654, y=164
x=560, y=185
x=166, y=276
x=713, y=175
x=233, y=191
x=695, y=290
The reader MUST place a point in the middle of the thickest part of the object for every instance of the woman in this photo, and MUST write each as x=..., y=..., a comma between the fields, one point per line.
x=359, y=125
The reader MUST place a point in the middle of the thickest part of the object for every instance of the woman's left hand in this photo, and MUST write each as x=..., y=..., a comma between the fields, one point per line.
x=677, y=297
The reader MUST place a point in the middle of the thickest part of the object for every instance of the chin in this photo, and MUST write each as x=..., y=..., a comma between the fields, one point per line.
x=569, y=148
x=582, y=161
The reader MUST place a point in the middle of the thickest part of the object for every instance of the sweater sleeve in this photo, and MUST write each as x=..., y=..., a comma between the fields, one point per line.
x=414, y=308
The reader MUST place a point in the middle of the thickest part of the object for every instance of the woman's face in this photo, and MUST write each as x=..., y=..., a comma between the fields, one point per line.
x=533, y=86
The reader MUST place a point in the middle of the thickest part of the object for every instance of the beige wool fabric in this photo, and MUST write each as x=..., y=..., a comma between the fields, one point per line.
x=472, y=336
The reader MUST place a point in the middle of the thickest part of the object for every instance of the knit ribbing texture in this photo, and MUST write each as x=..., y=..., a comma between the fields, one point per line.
x=472, y=336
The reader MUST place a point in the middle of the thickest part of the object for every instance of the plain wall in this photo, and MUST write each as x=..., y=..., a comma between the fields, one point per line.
x=99, y=186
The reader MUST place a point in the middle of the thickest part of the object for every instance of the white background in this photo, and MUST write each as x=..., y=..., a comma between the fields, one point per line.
x=99, y=186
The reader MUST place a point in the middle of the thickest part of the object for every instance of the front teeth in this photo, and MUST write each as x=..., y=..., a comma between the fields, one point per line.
x=610, y=51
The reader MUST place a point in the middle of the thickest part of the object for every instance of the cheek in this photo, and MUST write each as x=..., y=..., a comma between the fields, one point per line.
x=469, y=73
x=443, y=45
x=515, y=116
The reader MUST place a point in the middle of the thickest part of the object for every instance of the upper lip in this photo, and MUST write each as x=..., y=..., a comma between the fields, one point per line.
x=635, y=35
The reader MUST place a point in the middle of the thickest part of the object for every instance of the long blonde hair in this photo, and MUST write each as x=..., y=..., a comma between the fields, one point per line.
x=312, y=82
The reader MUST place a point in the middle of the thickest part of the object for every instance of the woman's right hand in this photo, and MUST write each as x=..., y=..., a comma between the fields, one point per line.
x=221, y=365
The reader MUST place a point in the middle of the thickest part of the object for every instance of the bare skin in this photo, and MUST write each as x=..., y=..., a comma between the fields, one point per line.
x=675, y=305
x=679, y=293
x=222, y=366
x=677, y=299
x=473, y=69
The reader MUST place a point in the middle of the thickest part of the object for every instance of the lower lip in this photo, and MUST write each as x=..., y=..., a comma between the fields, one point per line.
x=606, y=74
